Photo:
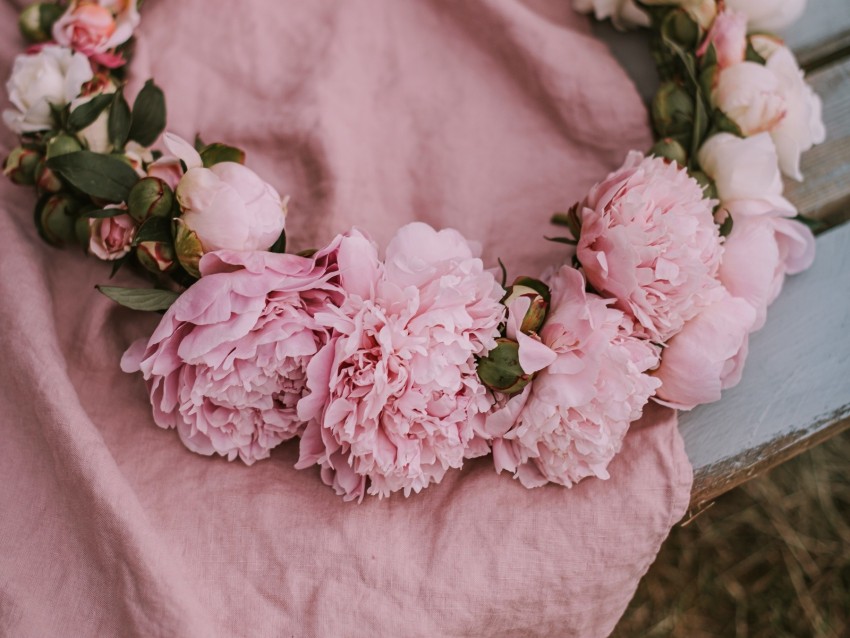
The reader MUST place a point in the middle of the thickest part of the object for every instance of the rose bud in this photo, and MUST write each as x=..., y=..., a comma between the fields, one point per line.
x=156, y=256
x=188, y=248
x=672, y=110
x=228, y=207
x=150, y=197
x=21, y=165
x=538, y=294
x=111, y=237
x=56, y=221
x=671, y=150
x=46, y=180
x=500, y=369
x=37, y=20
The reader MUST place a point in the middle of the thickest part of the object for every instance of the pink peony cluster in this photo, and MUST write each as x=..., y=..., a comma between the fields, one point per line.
x=227, y=364
x=570, y=422
x=394, y=399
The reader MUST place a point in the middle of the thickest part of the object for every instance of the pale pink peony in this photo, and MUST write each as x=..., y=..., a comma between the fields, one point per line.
x=649, y=240
x=94, y=28
x=110, y=238
x=570, y=421
x=394, y=398
x=178, y=152
x=229, y=207
x=707, y=356
x=227, y=364
x=728, y=34
x=759, y=252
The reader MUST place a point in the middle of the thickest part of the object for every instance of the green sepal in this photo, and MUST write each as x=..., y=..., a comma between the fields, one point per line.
x=217, y=153
x=102, y=213
x=147, y=299
x=500, y=369
x=102, y=176
x=751, y=55
x=536, y=285
x=154, y=229
x=149, y=115
x=725, y=227
x=280, y=245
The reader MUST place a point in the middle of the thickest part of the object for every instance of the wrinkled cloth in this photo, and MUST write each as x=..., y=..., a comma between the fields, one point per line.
x=485, y=116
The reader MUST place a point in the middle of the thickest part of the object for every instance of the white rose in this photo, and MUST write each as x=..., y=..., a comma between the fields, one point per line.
x=54, y=75
x=768, y=15
x=744, y=168
x=229, y=207
x=96, y=134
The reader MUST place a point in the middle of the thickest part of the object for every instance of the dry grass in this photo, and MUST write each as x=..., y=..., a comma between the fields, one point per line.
x=769, y=559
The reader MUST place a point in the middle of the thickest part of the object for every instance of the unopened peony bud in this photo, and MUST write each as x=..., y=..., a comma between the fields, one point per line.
x=188, y=248
x=150, y=197
x=680, y=27
x=156, y=256
x=56, y=221
x=46, y=180
x=36, y=21
x=670, y=149
x=500, y=369
x=62, y=145
x=672, y=110
x=21, y=165
x=536, y=314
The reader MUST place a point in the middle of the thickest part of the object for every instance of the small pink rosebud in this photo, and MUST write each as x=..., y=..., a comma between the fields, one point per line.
x=111, y=237
x=86, y=27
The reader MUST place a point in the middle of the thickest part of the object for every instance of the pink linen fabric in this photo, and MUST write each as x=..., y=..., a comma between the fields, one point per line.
x=484, y=116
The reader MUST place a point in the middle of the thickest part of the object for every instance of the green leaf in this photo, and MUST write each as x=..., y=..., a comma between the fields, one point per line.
x=280, y=245
x=101, y=213
x=752, y=55
x=102, y=176
x=116, y=266
x=154, y=229
x=562, y=240
x=504, y=272
x=119, y=120
x=726, y=226
x=149, y=299
x=216, y=153
x=87, y=113
x=725, y=124
x=148, y=120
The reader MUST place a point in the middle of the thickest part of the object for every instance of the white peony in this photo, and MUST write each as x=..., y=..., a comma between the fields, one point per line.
x=54, y=75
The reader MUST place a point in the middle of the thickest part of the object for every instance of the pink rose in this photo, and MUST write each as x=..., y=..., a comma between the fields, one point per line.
x=757, y=255
x=229, y=207
x=769, y=15
x=728, y=34
x=95, y=27
x=395, y=399
x=227, y=364
x=570, y=421
x=707, y=356
x=111, y=237
x=649, y=240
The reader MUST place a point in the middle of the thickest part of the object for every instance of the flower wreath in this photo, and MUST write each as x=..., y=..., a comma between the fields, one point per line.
x=391, y=371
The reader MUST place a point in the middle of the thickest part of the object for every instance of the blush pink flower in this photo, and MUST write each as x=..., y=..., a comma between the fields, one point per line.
x=95, y=27
x=110, y=238
x=571, y=420
x=649, y=240
x=728, y=34
x=707, y=356
x=227, y=364
x=394, y=398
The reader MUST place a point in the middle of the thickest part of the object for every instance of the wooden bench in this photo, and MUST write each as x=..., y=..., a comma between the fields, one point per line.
x=796, y=387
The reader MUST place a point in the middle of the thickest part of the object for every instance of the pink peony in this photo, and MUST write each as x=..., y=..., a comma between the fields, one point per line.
x=111, y=237
x=728, y=34
x=227, y=364
x=649, y=240
x=759, y=252
x=707, y=356
x=570, y=421
x=178, y=152
x=394, y=398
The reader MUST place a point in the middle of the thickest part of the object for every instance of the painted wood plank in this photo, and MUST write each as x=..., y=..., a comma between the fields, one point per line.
x=796, y=384
x=825, y=193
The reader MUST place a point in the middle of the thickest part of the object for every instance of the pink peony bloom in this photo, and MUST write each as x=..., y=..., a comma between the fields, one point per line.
x=394, y=398
x=570, y=421
x=227, y=364
x=111, y=237
x=707, y=356
x=649, y=240
x=169, y=167
x=759, y=252
x=728, y=34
